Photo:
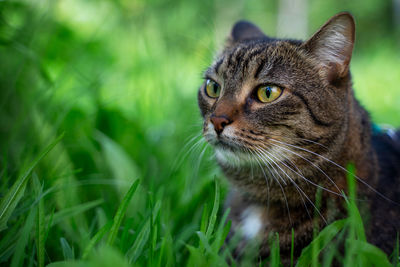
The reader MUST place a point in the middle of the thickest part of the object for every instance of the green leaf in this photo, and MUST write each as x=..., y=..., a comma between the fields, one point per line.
x=11, y=199
x=204, y=219
x=292, y=249
x=395, y=256
x=375, y=256
x=320, y=242
x=122, y=166
x=275, y=253
x=355, y=220
x=121, y=213
x=19, y=253
x=222, y=231
x=213, y=216
x=136, y=250
x=67, y=250
x=72, y=211
x=40, y=223
x=96, y=238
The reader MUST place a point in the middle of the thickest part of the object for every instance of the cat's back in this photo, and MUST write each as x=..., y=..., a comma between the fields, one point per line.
x=385, y=215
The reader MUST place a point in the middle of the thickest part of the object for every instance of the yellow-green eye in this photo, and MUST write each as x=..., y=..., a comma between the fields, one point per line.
x=268, y=93
x=212, y=89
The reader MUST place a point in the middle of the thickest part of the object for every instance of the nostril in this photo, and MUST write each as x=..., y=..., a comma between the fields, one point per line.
x=220, y=122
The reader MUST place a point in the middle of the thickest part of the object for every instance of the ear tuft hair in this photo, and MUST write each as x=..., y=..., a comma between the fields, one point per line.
x=332, y=45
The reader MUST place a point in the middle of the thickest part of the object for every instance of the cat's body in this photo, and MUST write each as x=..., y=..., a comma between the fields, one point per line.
x=284, y=121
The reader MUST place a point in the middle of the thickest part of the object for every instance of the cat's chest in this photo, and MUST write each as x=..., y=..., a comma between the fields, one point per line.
x=252, y=222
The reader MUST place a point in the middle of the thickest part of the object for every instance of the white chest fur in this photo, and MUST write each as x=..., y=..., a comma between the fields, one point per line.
x=251, y=222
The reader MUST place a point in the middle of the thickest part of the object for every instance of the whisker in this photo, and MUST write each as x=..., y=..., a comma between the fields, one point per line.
x=340, y=167
x=198, y=162
x=283, y=192
x=301, y=196
x=268, y=193
x=266, y=161
x=267, y=134
x=302, y=176
x=182, y=154
x=299, y=138
x=308, y=180
x=294, y=183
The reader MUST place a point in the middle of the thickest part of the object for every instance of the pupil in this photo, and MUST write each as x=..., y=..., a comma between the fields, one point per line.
x=268, y=92
x=215, y=88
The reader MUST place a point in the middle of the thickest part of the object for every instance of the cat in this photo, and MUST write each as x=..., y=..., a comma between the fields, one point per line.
x=284, y=122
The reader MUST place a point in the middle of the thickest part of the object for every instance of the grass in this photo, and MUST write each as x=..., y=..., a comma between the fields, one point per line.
x=100, y=161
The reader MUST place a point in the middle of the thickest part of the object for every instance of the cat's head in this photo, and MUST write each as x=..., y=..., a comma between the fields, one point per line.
x=262, y=94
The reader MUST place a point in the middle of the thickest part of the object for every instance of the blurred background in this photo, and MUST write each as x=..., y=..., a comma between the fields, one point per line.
x=119, y=78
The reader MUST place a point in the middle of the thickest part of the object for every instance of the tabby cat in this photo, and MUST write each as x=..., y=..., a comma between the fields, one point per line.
x=284, y=122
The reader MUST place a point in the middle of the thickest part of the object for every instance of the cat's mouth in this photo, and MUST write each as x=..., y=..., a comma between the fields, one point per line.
x=227, y=145
x=225, y=141
x=231, y=153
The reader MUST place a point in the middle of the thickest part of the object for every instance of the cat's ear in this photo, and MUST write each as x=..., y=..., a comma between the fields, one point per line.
x=332, y=45
x=244, y=30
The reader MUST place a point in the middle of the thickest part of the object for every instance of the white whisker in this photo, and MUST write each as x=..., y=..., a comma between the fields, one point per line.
x=340, y=167
x=290, y=179
x=308, y=180
x=283, y=192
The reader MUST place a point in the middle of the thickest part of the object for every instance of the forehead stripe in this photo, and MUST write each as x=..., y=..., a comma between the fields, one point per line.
x=250, y=56
x=231, y=55
x=260, y=68
x=218, y=64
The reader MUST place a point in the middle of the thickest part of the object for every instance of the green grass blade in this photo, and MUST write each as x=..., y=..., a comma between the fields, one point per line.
x=275, y=253
x=323, y=239
x=18, y=257
x=222, y=231
x=204, y=240
x=136, y=250
x=125, y=242
x=49, y=223
x=9, y=240
x=72, y=211
x=166, y=251
x=356, y=223
x=196, y=257
x=40, y=223
x=375, y=256
x=204, y=219
x=96, y=238
x=292, y=249
x=121, y=213
x=396, y=257
x=213, y=216
x=67, y=250
x=11, y=199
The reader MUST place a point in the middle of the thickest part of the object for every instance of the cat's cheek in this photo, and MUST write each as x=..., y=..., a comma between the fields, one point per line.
x=204, y=105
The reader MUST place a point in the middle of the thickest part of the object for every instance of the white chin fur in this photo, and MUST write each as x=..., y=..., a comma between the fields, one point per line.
x=228, y=157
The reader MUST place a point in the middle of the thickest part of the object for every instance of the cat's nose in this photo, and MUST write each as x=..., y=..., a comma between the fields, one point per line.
x=220, y=122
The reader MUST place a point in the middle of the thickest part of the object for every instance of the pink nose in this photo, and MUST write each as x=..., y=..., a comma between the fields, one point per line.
x=220, y=122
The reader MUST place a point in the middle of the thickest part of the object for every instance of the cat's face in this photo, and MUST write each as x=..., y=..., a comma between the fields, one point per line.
x=263, y=94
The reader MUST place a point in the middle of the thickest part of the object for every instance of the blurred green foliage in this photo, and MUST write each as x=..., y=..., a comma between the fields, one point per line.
x=119, y=78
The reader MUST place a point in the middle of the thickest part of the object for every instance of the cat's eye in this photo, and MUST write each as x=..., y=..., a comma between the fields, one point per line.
x=268, y=93
x=213, y=89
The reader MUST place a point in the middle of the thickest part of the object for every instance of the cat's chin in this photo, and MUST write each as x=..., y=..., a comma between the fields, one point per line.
x=233, y=157
x=236, y=156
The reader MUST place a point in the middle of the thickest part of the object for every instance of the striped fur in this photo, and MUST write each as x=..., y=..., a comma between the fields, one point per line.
x=276, y=155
